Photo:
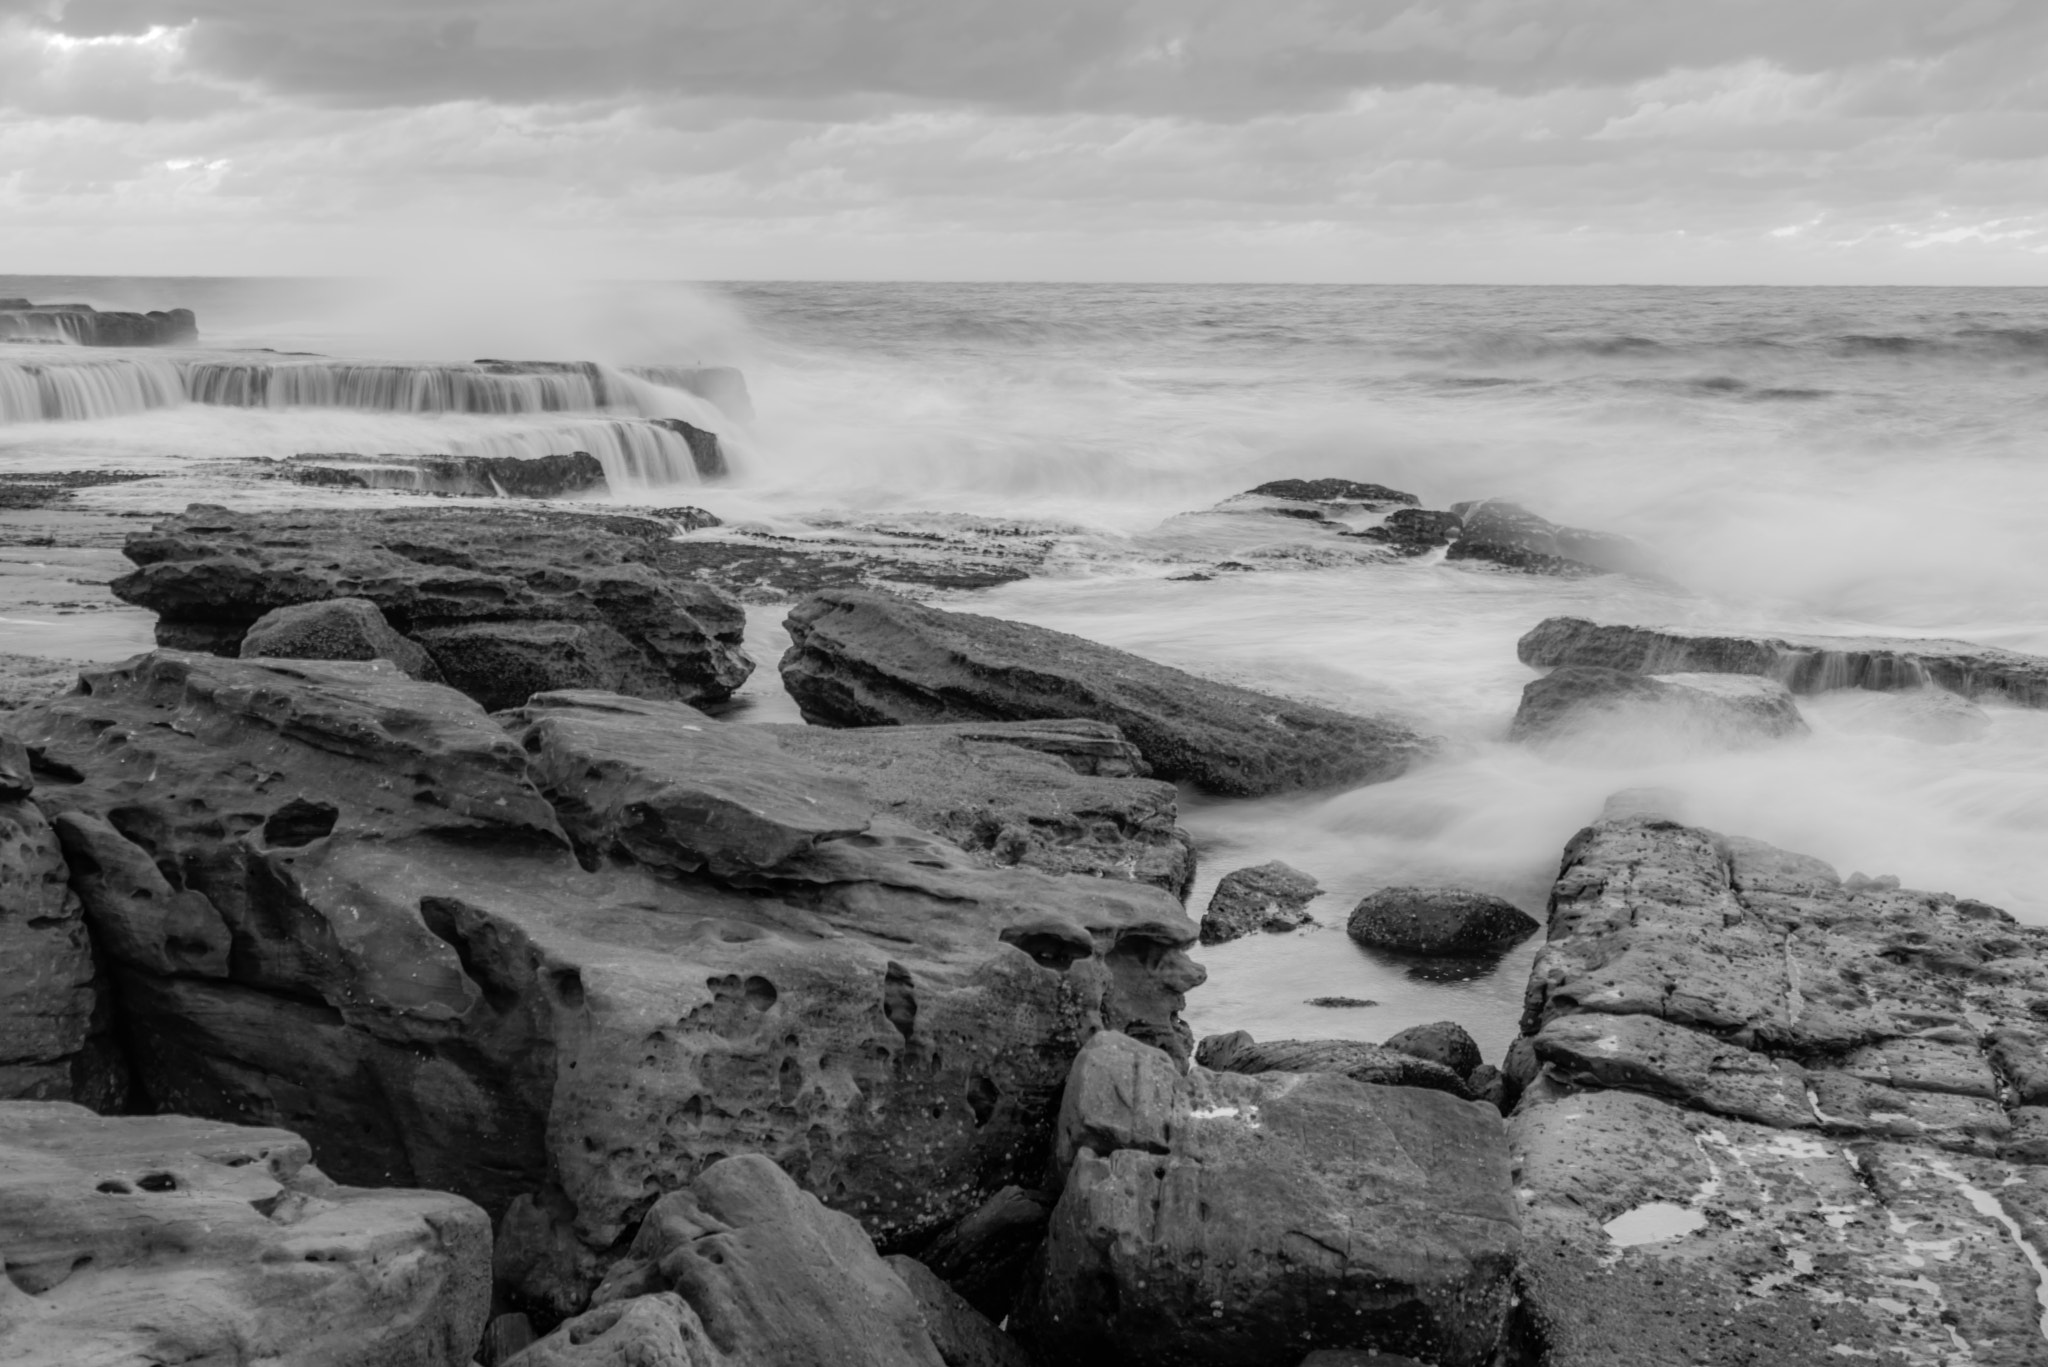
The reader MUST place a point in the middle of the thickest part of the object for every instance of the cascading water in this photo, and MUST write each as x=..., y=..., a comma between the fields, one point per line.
x=637, y=456
x=74, y=391
x=398, y=388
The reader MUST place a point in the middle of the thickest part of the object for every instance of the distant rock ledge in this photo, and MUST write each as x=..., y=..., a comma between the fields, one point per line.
x=84, y=325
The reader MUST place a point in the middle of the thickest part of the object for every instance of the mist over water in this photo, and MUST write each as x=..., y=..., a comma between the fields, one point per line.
x=1837, y=460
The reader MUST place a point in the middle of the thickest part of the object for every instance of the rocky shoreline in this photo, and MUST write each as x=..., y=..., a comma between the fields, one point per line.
x=409, y=932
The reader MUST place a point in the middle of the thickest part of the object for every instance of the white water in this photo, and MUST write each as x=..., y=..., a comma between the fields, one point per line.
x=1837, y=461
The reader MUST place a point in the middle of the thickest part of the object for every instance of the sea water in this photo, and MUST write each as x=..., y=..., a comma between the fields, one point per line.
x=1852, y=461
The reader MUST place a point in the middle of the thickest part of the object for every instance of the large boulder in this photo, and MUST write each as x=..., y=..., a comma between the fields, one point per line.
x=561, y=967
x=168, y=1239
x=1804, y=664
x=1438, y=921
x=209, y=574
x=1272, y=897
x=1220, y=1218
x=1789, y=1111
x=335, y=629
x=1507, y=534
x=866, y=659
x=1711, y=711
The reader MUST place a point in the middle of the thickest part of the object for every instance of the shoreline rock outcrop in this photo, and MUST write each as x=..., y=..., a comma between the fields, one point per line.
x=1717, y=711
x=867, y=659
x=552, y=476
x=1804, y=664
x=1509, y=535
x=84, y=325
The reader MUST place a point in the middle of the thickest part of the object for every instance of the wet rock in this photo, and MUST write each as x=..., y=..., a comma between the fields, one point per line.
x=1444, y=1042
x=337, y=629
x=706, y=454
x=863, y=659
x=550, y=476
x=169, y=1239
x=502, y=664
x=1341, y=1002
x=17, y=779
x=984, y=1256
x=1061, y=796
x=1437, y=921
x=32, y=678
x=1271, y=897
x=1509, y=535
x=1702, y=710
x=1933, y=716
x=1758, y=1096
x=1353, y=1357
x=961, y=1333
x=601, y=581
x=84, y=325
x=1804, y=664
x=1381, y=1064
x=1414, y=531
x=1208, y=1217
x=1337, y=491
x=559, y=967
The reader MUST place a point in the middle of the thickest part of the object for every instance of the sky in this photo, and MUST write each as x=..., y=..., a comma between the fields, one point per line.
x=1538, y=141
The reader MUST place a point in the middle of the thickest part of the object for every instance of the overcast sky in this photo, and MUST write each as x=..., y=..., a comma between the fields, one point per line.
x=1401, y=140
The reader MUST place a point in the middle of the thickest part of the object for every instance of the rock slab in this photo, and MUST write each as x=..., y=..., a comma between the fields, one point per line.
x=335, y=629
x=1716, y=711
x=866, y=659
x=1269, y=897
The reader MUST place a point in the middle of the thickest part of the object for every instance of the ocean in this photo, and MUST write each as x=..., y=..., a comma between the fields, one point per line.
x=1841, y=461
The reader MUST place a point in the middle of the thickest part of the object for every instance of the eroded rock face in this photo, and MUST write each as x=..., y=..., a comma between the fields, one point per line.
x=1804, y=664
x=864, y=659
x=1758, y=1097
x=169, y=1239
x=1703, y=711
x=1271, y=897
x=1383, y=1064
x=1231, y=1219
x=1438, y=921
x=563, y=968
x=336, y=629
x=209, y=574
x=1509, y=535
x=49, y=993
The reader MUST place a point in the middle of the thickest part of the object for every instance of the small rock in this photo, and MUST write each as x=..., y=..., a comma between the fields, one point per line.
x=1341, y=1001
x=335, y=629
x=1438, y=921
x=1444, y=1042
x=1331, y=491
x=1271, y=897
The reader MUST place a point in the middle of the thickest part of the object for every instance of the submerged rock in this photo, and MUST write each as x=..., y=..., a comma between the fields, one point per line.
x=1438, y=921
x=1271, y=897
x=1715, y=711
x=1760, y=1097
x=335, y=629
x=1509, y=535
x=1336, y=491
x=1413, y=531
x=864, y=659
x=168, y=1239
x=599, y=583
x=1804, y=664
x=1211, y=1218
x=552, y=476
x=560, y=967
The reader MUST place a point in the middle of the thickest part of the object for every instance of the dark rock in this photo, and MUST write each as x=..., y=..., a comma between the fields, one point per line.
x=502, y=664
x=1265, y=897
x=764, y=1272
x=337, y=629
x=984, y=1256
x=84, y=325
x=686, y=517
x=1061, y=796
x=1706, y=710
x=24, y=489
x=1444, y=1042
x=504, y=1338
x=1212, y=1217
x=705, y=452
x=1238, y=1052
x=1804, y=664
x=1727, y=1048
x=1490, y=1085
x=1437, y=921
x=551, y=476
x=17, y=778
x=1332, y=491
x=210, y=574
x=49, y=992
x=1353, y=1357
x=961, y=1333
x=167, y=1239
x=773, y=568
x=863, y=659
x=386, y=934
x=1341, y=1001
x=1412, y=531
x=1511, y=536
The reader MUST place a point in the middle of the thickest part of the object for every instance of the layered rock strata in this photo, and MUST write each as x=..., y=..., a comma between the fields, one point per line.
x=866, y=659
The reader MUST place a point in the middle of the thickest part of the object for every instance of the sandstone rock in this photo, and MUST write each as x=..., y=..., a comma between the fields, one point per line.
x=984, y=1256
x=31, y=678
x=1214, y=1217
x=1699, y=711
x=1511, y=536
x=1382, y=1064
x=1437, y=921
x=1061, y=796
x=48, y=993
x=387, y=935
x=551, y=476
x=1756, y=1096
x=1270, y=897
x=961, y=1333
x=1444, y=1042
x=1804, y=664
x=862, y=659
x=210, y=573
x=502, y=664
x=169, y=1239
x=336, y=629
x=16, y=779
